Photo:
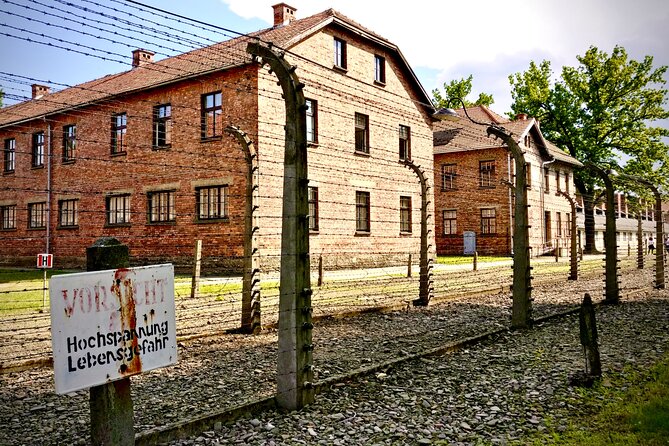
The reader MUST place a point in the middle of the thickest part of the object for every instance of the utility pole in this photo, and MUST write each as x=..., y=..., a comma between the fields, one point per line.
x=294, y=369
x=573, y=252
x=425, y=287
x=251, y=322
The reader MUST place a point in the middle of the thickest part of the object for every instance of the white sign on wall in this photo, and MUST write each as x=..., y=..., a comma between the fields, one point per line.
x=107, y=325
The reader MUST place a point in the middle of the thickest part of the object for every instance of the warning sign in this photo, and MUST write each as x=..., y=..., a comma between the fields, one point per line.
x=107, y=325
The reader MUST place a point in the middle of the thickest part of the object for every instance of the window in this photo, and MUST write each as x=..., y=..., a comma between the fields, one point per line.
x=558, y=221
x=566, y=182
x=567, y=229
x=547, y=226
x=312, y=121
x=488, y=221
x=379, y=69
x=339, y=53
x=450, y=222
x=161, y=207
x=37, y=215
x=528, y=174
x=212, y=115
x=405, y=214
x=547, y=181
x=212, y=202
x=557, y=180
x=67, y=213
x=405, y=142
x=118, y=209
x=69, y=142
x=10, y=155
x=8, y=216
x=162, y=125
x=313, y=209
x=362, y=214
x=361, y=133
x=487, y=173
x=448, y=175
x=118, y=130
x=38, y=150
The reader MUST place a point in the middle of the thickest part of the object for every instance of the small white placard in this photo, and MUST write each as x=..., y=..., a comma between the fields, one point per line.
x=107, y=325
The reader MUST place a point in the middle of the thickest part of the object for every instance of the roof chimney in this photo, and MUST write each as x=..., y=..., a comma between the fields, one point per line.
x=521, y=117
x=141, y=57
x=40, y=90
x=283, y=14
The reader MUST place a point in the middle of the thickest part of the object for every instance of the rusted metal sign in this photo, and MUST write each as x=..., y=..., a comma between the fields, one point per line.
x=107, y=325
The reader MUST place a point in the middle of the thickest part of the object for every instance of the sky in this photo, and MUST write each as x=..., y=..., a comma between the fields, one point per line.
x=442, y=40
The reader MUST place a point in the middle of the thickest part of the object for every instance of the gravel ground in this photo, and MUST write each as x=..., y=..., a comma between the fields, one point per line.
x=495, y=391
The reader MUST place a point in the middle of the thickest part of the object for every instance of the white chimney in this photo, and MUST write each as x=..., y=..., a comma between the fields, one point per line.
x=283, y=14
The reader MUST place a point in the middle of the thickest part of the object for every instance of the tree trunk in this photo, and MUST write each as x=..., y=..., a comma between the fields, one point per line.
x=589, y=226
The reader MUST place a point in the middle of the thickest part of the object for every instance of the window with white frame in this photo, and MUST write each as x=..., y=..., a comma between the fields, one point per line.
x=10, y=155
x=487, y=173
x=38, y=149
x=37, y=215
x=162, y=126
x=488, y=221
x=405, y=214
x=312, y=120
x=8, y=216
x=118, y=209
x=161, y=206
x=339, y=53
x=379, y=69
x=69, y=143
x=362, y=212
x=405, y=142
x=450, y=222
x=68, y=213
x=119, y=127
x=361, y=133
x=212, y=202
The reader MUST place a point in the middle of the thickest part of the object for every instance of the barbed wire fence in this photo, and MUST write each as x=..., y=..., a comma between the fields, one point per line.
x=352, y=280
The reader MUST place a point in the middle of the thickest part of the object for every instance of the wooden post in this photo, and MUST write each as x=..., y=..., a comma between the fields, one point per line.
x=294, y=366
x=112, y=415
x=195, y=285
x=475, y=261
x=557, y=250
x=320, y=270
x=409, y=262
x=588, y=330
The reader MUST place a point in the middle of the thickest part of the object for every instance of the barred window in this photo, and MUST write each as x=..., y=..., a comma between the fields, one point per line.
x=362, y=212
x=10, y=155
x=448, y=176
x=487, y=173
x=37, y=215
x=450, y=222
x=405, y=142
x=313, y=208
x=69, y=142
x=405, y=214
x=68, y=213
x=361, y=133
x=212, y=115
x=162, y=125
x=488, y=221
x=118, y=209
x=38, y=150
x=212, y=202
x=161, y=207
x=119, y=125
x=8, y=216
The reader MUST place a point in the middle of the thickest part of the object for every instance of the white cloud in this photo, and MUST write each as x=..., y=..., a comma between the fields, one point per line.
x=492, y=39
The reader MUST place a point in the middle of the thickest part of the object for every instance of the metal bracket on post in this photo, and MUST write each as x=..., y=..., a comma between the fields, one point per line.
x=294, y=368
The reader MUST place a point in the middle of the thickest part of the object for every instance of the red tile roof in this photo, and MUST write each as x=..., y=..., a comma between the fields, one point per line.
x=217, y=57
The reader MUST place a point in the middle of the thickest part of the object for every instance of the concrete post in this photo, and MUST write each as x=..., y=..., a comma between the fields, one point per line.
x=195, y=284
x=294, y=368
x=425, y=274
x=475, y=261
x=111, y=409
x=320, y=270
x=251, y=322
x=588, y=331
x=639, y=241
x=521, y=313
x=573, y=251
x=612, y=291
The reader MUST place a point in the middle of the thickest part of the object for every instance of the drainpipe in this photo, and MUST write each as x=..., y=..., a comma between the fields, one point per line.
x=543, y=204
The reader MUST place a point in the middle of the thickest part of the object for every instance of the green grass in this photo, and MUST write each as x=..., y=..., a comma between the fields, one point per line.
x=629, y=408
x=21, y=290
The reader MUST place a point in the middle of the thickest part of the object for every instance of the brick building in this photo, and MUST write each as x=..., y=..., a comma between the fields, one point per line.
x=143, y=156
x=471, y=198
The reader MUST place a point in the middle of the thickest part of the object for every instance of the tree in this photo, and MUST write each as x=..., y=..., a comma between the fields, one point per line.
x=601, y=112
x=459, y=89
x=2, y=95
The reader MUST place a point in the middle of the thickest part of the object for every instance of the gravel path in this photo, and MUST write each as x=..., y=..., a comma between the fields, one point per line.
x=495, y=391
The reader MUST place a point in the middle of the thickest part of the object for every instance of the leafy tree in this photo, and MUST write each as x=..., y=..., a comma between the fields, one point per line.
x=602, y=112
x=2, y=95
x=459, y=89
